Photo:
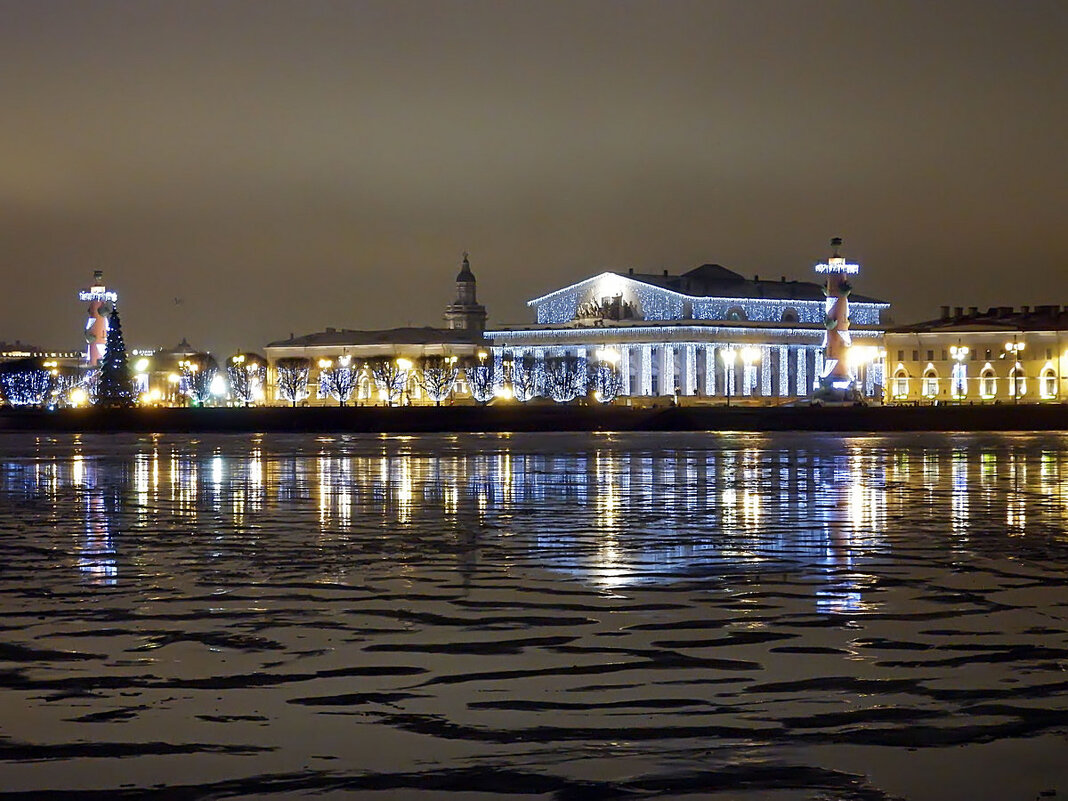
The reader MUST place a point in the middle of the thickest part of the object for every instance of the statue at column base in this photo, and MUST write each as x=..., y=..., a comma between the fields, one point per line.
x=836, y=389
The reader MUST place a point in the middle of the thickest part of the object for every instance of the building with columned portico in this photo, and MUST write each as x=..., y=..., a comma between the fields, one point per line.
x=709, y=334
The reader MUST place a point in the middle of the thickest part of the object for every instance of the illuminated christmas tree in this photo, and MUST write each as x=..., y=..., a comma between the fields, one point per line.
x=115, y=389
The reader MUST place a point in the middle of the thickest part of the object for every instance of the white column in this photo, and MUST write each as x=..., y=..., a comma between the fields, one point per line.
x=624, y=368
x=710, y=370
x=803, y=387
x=667, y=369
x=645, y=367
x=784, y=371
x=689, y=370
x=765, y=371
x=584, y=374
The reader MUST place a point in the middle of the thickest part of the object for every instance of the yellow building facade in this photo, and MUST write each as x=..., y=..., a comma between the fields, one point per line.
x=1002, y=355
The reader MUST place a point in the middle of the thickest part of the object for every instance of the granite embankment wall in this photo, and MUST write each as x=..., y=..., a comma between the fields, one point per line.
x=1024, y=417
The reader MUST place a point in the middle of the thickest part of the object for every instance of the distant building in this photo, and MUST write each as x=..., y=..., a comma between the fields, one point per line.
x=380, y=357
x=709, y=333
x=1001, y=355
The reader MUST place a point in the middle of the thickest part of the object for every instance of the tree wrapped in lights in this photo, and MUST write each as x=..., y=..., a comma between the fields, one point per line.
x=247, y=375
x=337, y=380
x=26, y=383
x=481, y=382
x=526, y=378
x=198, y=378
x=607, y=383
x=390, y=376
x=115, y=387
x=291, y=376
x=565, y=378
x=437, y=378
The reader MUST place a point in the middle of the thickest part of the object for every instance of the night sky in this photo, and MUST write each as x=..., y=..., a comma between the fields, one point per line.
x=282, y=167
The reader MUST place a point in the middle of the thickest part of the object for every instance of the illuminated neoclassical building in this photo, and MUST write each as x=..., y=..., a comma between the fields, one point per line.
x=707, y=333
x=1001, y=355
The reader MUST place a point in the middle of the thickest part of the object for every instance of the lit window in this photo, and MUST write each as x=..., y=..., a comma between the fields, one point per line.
x=901, y=384
x=1018, y=381
x=1048, y=383
x=930, y=384
x=988, y=383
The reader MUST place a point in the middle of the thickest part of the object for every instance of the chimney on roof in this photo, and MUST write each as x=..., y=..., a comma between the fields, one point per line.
x=958, y=311
x=784, y=279
x=331, y=330
x=945, y=313
x=756, y=279
x=665, y=273
x=630, y=271
x=973, y=311
x=1025, y=309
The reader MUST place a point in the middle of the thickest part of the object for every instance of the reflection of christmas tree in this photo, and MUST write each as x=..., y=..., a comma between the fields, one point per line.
x=115, y=388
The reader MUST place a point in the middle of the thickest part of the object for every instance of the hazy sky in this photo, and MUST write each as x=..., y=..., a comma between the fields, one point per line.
x=282, y=167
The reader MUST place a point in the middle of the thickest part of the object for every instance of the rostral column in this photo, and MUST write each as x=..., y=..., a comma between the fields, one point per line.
x=837, y=382
x=101, y=304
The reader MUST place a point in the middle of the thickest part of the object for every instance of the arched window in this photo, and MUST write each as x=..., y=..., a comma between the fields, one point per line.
x=1018, y=381
x=930, y=383
x=1048, y=384
x=988, y=383
x=901, y=383
x=736, y=313
x=790, y=315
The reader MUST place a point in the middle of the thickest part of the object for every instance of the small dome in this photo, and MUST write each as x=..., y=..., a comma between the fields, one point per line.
x=465, y=273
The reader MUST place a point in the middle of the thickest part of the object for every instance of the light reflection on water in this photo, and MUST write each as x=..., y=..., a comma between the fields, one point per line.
x=861, y=569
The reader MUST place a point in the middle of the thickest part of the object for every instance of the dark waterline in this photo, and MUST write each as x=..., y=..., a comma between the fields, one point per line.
x=783, y=616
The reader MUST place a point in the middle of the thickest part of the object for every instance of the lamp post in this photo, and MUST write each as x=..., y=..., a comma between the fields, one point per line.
x=960, y=379
x=728, y=355
x=1015, y=348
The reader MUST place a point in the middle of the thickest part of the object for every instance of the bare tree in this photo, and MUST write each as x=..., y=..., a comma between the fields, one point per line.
x=26, y=383
x=389, y=378
x=246, y=375
x=337, y=381
x=526, y=378
x=481, y=381
x=292, y=378
x=437, y=378
x=565, y=378
x=607, y=383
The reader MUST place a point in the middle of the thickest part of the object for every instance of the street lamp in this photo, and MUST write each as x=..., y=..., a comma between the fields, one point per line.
x=960, y=377
x=1015, y=348
x=728, y=355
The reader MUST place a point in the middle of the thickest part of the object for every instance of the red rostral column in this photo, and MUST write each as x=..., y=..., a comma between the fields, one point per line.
x=101, y=304
x=836, y=383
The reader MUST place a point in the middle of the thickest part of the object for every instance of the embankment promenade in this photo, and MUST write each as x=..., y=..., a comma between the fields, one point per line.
x=547, y=418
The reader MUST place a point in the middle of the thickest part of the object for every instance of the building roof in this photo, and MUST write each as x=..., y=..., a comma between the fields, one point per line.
x=389, y=336
x=715, y=280
x=996, y=318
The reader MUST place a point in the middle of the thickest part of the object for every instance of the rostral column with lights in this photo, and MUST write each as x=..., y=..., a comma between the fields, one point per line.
x=837, y=383
x=101, y=304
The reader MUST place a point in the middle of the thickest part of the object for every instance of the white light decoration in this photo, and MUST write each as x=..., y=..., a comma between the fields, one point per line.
x=624, y=370
x=666, y=333
x=667, y=370
x=99, y=293
x=784, y=371
x=658, y=303
x=837, y=264
x=710, y=370
x=802, y=372
x=689, y=370
x=765, y=371
x=645, y=355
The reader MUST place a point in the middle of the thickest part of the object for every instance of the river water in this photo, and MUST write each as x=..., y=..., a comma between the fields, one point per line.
x=724, y=616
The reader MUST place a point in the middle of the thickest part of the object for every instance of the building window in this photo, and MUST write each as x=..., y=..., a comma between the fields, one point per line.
x=790, y=315
x=901, y=384
x=988, y=383
x=736, y=313
x=943, y=354
x=930, y=383
x=1048, y=383
x=901, y=355
x=930, y=355
x=975, y=354
x=988, y=353
x=915, y=355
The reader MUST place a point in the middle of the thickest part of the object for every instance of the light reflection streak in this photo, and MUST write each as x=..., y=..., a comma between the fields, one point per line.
x=612, y=516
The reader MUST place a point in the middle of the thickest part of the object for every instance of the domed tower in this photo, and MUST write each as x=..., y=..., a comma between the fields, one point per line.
x=465, y=312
